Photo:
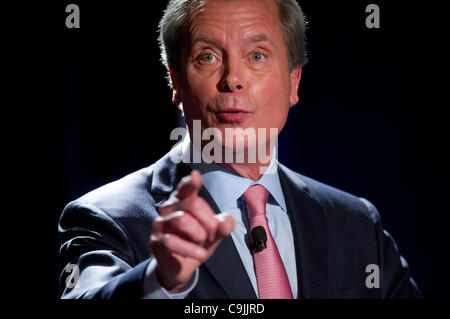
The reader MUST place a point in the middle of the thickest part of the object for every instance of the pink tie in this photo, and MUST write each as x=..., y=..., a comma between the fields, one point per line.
x=273, y=282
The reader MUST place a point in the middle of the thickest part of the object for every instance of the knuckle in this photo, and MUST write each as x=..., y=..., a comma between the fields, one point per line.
x=157, y=224
x=169, y=203
x=185, y=204
x=163, y=211
x=202, y=235
x=156, y=245
x=166, y=241
x=197, y=204
x=179, y=221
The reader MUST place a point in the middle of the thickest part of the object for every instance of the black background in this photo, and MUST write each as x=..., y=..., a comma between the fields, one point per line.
x=368, y=121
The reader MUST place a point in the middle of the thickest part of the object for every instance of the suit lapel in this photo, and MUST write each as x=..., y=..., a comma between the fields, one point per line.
x=310, y=236
x=225, y=264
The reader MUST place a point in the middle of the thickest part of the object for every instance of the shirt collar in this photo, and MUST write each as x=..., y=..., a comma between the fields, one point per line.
x=232, y=185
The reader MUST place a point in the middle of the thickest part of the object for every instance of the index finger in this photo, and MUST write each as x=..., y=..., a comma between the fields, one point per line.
x=189, y=185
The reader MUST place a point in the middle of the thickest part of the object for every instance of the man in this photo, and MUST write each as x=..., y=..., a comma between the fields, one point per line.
x=221, y=228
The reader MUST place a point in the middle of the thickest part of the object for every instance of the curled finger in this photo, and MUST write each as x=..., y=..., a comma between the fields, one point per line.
x=173, y=244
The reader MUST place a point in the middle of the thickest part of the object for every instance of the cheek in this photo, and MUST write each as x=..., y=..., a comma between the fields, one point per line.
x=195, y=95
x=273, y=100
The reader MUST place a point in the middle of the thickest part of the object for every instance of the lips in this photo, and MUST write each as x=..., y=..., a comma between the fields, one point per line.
x=232, y=115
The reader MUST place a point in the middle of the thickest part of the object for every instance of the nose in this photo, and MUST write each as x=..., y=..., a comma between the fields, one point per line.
x=233, y=77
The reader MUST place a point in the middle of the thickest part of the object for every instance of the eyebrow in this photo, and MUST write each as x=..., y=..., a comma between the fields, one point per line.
x=260, y=38
x=216, y=42
x=206, y=39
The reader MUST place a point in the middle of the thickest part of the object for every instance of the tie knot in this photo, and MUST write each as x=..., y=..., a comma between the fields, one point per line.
x=256, y=198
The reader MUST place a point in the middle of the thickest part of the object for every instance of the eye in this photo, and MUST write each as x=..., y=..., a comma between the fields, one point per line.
x=207, y=58
x=257, y=57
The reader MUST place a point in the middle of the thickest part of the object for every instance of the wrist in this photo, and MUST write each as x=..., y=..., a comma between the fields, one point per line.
x=172, y=284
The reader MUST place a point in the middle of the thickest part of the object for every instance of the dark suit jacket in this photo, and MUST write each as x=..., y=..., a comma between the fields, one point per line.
x=336, y=235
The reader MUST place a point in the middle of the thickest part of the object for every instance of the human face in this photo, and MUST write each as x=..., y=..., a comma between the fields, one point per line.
x=234, y=69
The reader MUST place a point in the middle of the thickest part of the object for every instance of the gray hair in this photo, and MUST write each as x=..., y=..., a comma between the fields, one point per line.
x=175, y=22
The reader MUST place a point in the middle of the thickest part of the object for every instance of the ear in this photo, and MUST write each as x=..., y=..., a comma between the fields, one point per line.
x=174, y=78
x=295, y=76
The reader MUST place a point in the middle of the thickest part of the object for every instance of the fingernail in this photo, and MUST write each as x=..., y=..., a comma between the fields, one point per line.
x=221, y=217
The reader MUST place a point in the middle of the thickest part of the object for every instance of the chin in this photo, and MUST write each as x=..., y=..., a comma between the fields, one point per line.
x=238, y=139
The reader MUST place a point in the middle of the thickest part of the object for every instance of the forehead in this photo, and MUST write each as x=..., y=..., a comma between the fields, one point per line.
x=236, y=19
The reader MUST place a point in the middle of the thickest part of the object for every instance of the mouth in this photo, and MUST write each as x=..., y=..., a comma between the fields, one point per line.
x=232, y=115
